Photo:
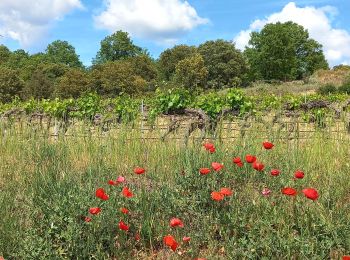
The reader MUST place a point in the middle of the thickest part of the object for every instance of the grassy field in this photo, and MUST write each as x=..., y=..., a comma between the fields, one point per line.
x=48, y=186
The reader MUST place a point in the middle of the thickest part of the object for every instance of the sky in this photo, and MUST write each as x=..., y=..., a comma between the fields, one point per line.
x=160, y=24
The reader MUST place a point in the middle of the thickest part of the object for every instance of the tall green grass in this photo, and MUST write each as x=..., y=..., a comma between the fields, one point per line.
x=48, y=185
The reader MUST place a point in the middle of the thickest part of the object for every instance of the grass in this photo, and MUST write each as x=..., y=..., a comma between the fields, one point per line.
x=47, y=187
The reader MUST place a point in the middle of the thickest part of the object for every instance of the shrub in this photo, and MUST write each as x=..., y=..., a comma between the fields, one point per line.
x=327, y=89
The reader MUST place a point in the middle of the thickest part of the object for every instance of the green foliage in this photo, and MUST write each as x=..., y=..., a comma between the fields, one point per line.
x=5, y=54
x=116, y=47
x=10, y=84
x=169, y=58
x=283, y=51
x=126, y=108
x=327, y=89
x=72, y=84
x=211, y=103
x=87, y=106
x=345, y=87
x=39, y=86
x=191, y=72
x=226, y=64
x=62, y=52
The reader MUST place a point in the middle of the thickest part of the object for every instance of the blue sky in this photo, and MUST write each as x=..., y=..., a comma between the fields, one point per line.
x=84, y=23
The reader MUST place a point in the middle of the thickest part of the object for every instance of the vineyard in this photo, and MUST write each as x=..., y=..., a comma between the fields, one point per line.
x=178, y=114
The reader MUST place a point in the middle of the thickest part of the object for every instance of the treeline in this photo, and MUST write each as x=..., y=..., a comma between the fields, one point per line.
x=281, y=51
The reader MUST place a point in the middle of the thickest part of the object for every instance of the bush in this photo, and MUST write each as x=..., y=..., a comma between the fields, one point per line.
x=327, y=89
x=345, y=88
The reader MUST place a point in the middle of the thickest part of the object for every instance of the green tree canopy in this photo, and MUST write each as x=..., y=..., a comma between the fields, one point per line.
x=10, y=84
x=64, y=53
x=72, y=84
x=5, y=54
x=191, y=72
x=115, y=47
x=226, y=64
x=169, y=58
x=284, y=51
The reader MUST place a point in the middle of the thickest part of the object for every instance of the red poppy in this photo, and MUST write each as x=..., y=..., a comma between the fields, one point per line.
x=137, y=237
x=346, y=257
x=208, y=146
x=299, y=175
x=124, y=210
x=170, y=242
x=217, y=166
x=100, y=193
x=212, y=150
x=94, y=211
x=87, y=219
x=120, y=179
x=175, y=222
x=268, y=145
x=250, y=158
x=111, y=182
x=237, y=160
x=217, y=196
x=310, y=193
x=186, y=239
x=123, y=226
x=226, y=191
x=139, y=170
x=258, y=166
x=275, y=172
x=204, y=171
x=289, y=191
x=127, y=193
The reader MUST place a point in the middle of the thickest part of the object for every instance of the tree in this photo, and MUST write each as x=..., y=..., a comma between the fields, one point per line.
x=191, y=72
x=72, y=84
x=10, y=84
x=226, y=64
x=284, y=51
x=5, y=54
x=144, y=67
x=114, y=78
x=62, y=52
x=17, y=59
x=115, y=47
x=39, y=86
x=169, y=58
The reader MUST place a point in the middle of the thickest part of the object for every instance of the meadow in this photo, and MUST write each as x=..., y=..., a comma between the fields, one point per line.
x=52, y=205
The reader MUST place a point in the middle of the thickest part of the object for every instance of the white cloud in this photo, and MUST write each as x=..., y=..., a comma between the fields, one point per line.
x=28, y=21
x=318, y=21
x=159, y=20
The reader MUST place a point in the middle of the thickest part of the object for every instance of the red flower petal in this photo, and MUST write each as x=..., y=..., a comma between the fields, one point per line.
x=289, y=191
x=94, y=211
x=268, y=145
x=120, y=179
x=186, y=239
x=258, y=166
x=208, y=146
x=127, y=193
x=111, y=182
x=175, y=222
x=204, y=171
x=217, y=166
x=217, y=196
x=87, y=219
x=226, y=191
x=124, y=210
x=299, y=174
x=250, y=158
x=275, y=172
x=139, y=170
x=123, y=226
x=100, y=193
x=311, y=193
x=170, y=242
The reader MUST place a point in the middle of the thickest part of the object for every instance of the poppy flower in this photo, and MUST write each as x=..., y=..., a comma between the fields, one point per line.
x=226, y=191
x=299, y=175
x=250, y=158
x=175, y=222
x=111, y=182
x=217, y=166
x=204, y=171
x=268, y=145
x=289, y=191
x=310, y=193
x=186, y=239
x=120, y=179
x=212, y=150
x=100, y=193
x=275, y=172
x=237, y=160
x=124, y=210
x=139, y=170
x=266, y=192
x=208, y=146
x=239, y=164
x=258, y=166
x=123, y=226
x=217, y=196
x=137, y=237
x=127, y=193
x=346, y=257
x=170, y=242
x=94, y=211
x=87, y=219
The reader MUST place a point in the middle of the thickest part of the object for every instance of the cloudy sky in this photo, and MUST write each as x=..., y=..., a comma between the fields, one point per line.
x=159, y=24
